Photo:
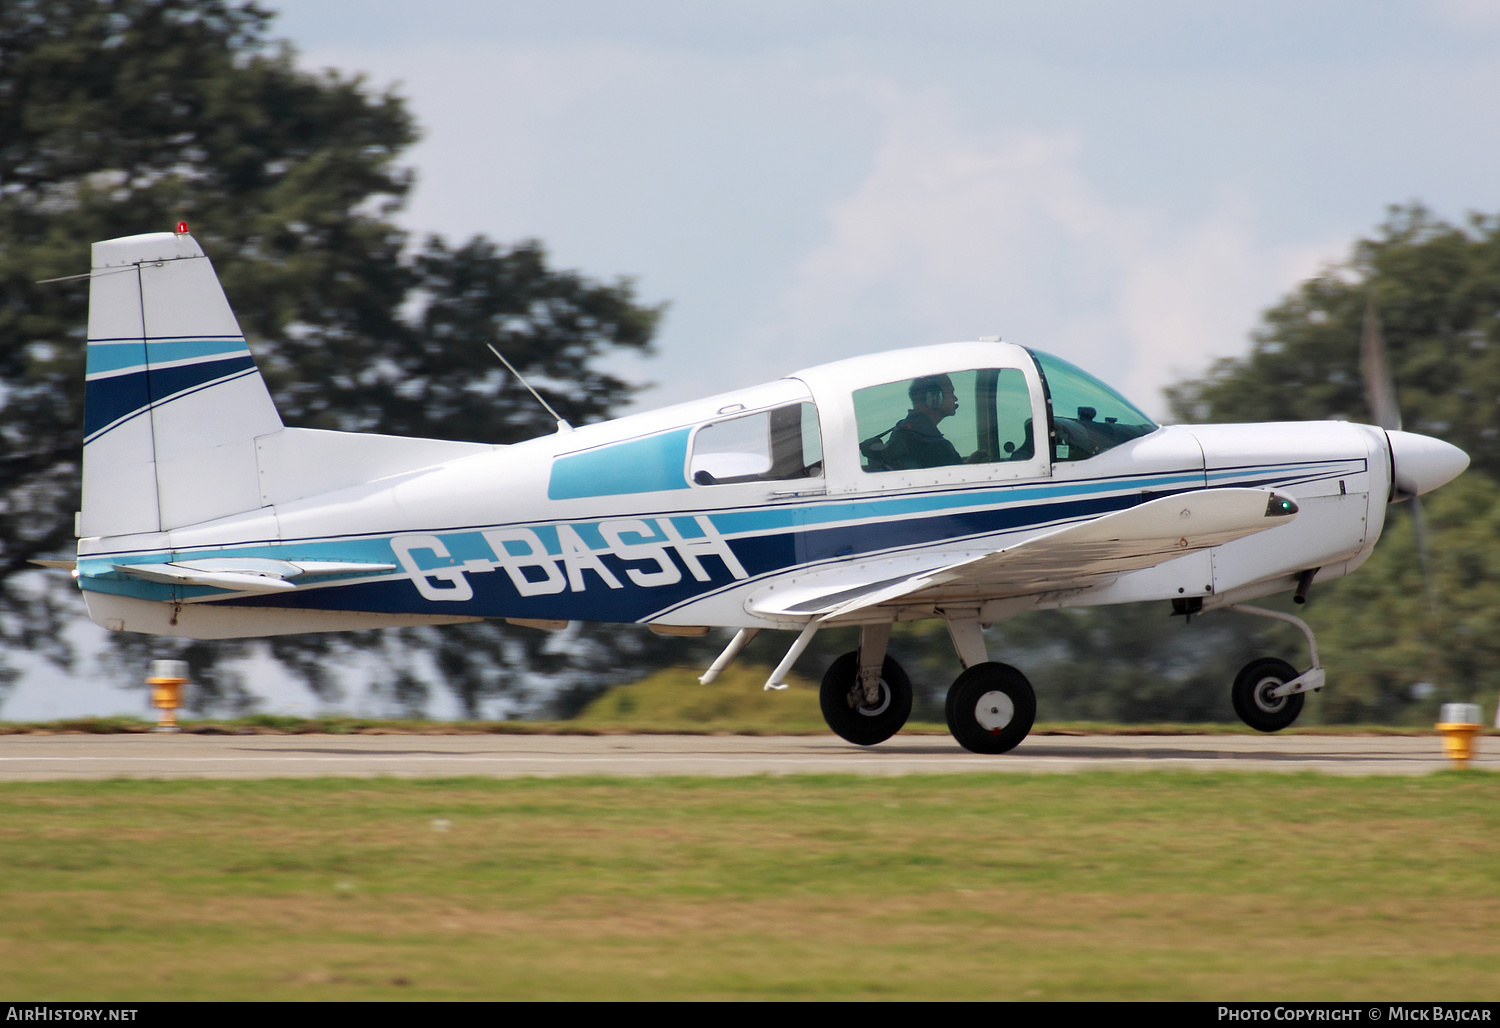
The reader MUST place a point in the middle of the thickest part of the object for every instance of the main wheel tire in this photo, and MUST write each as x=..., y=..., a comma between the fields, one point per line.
x=991, y=708
x=844, y=707
x=1252, y=699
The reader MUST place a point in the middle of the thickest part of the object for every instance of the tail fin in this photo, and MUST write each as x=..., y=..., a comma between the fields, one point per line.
x=173, y=401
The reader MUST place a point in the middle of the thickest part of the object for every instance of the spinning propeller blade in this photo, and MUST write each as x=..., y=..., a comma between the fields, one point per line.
x=1380, y=394
x=1375, y=369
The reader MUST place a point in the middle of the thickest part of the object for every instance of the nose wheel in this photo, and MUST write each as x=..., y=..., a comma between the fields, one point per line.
x=991, y=708
x=851, y=713
x=1268, y=693
x=1254, y=696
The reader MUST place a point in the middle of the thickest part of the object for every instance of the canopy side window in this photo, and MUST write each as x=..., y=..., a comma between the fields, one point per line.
x=967, y=417
x=1088, y=417
x=767, y=446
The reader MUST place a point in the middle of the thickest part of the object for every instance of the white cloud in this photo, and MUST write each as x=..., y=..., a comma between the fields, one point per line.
x=795, y=212
x=956, y=233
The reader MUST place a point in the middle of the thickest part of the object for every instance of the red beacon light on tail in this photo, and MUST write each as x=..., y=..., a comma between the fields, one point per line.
x=182, y=228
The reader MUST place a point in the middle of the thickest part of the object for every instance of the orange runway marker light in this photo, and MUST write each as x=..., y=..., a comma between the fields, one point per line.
x=166, y=679
x=1458, y=723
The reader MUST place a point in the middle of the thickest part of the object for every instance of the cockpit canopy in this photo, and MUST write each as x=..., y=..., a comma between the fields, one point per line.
x=986, y=416
x=950, y=414
x=1088, y=417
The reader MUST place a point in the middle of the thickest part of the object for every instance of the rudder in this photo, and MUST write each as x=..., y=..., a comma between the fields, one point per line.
x=173, y=401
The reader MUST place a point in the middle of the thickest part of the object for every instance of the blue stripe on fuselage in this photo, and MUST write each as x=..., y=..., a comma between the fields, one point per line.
x=495, y=596
x=766, y=541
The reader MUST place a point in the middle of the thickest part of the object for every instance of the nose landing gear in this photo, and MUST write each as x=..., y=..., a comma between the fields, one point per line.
x=1254, y=695
x=1268, y=693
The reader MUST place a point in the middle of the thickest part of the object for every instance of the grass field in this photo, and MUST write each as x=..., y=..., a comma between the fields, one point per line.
x=1088, y=886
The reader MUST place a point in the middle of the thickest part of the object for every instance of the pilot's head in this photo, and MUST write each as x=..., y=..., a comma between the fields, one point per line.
x=933, y=395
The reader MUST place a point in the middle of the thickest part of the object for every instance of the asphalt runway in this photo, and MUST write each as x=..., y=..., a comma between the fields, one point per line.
x=81, y=757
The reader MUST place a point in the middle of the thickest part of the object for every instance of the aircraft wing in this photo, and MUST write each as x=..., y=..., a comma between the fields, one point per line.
x=1069, y=557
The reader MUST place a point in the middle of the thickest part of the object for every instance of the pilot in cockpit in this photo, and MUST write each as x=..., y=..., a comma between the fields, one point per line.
x=916, y=441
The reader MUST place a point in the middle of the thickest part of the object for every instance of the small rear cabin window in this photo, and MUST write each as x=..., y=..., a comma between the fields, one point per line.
x=966, y=417
x=767, y=446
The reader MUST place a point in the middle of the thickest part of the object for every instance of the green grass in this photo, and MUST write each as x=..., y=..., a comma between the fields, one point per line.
x=674, y=700
x=1088, y=886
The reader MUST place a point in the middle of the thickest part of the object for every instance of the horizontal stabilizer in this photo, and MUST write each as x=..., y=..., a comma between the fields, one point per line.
x=67, y=563
x=239, y=581
x=244, y=574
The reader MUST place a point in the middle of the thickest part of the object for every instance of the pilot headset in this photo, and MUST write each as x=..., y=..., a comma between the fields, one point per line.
x=927, y=392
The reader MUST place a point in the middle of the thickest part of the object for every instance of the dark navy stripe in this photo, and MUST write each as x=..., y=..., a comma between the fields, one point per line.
x=107, y=400
x=495, y=596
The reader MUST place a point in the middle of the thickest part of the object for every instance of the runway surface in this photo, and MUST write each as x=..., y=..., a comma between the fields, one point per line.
x=63, y=757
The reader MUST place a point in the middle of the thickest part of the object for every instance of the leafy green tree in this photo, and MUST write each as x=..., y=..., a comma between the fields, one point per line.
x=124, y=116
x=1384, y=644
x=1436, y=288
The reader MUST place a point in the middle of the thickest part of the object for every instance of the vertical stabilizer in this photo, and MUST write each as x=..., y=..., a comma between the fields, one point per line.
x=174, y=401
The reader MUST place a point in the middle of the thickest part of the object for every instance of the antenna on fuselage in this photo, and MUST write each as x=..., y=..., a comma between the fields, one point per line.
x=562, y=423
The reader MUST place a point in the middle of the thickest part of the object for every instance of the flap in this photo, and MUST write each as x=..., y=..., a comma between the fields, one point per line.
x=1069, y=557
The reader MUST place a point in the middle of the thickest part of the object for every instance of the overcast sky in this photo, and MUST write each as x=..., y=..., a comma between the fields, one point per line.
x=1126, y=184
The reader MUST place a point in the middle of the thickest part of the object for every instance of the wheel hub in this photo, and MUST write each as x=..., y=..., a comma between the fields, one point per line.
x=1263, y=698
x=994, y=711
x=882, y=702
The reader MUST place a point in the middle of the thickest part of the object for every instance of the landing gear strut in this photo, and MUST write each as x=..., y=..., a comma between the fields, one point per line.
x=856, y=718
x=1255, y=695
x=1268, y=693
x=866, y=696
x=990, y=706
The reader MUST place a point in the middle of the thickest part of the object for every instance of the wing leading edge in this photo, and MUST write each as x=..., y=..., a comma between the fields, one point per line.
x=1070, y=557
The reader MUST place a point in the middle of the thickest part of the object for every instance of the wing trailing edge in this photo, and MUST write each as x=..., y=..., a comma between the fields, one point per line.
x=1072, y=556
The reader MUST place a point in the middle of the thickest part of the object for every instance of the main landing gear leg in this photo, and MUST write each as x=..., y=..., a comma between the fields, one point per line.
x=968, y=638
x=991, y=706
x=1268, y=693
x=866, y=696
x=872, y=643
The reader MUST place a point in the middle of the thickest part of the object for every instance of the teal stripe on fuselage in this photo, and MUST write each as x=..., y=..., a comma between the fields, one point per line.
x=467, y=542
x=104, y=358
x=377, y=548
x=650, y=465
x=1286, y=469
x=789, y=517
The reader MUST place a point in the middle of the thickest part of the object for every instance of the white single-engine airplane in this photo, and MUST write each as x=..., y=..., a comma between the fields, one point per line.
x=965, y=481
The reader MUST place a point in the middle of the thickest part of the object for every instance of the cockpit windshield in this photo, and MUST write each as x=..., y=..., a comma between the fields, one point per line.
x=1088, y=417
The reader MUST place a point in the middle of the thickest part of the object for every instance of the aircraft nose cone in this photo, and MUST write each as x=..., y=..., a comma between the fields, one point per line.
x=1423, y=463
